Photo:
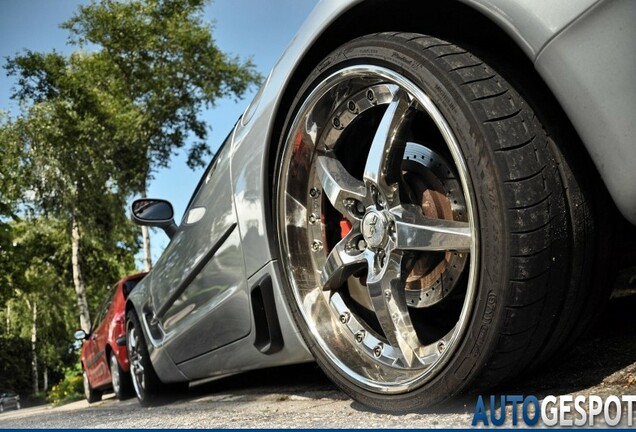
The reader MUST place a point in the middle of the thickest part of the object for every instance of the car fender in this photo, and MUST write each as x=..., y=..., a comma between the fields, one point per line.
x=162, y=362
x=531, y=24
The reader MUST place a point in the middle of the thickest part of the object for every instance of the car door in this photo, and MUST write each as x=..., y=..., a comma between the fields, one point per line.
x=96, y=363
x=198, y=284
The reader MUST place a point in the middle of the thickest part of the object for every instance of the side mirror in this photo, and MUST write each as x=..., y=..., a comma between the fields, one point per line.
x=80, y=335
x=154, y=212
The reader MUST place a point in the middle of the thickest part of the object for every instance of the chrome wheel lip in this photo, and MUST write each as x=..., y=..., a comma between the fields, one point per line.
x=114, y=373
x=86, y=385
x=452, y=339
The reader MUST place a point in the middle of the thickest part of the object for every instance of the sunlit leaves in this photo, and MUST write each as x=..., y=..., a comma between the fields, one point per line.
x=161, y=55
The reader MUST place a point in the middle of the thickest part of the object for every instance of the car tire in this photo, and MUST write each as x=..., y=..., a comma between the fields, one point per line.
x=425, y=222
x=120, y=380
x=145, y=381
x=90, y=393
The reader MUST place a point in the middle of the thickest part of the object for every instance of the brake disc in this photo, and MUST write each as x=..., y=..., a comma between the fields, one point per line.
x=436, y=188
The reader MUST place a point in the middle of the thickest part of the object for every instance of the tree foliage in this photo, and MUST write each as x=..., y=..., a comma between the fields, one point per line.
x=91, y=129
x=164, y=66
x=15, y=370
x=41, y=275
x=163, y=55
x=68, y=156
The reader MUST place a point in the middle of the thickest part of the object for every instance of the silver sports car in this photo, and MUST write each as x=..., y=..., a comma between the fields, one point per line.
x=419, y=198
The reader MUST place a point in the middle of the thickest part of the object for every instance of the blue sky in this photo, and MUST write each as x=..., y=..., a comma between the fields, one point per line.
x=257, y=28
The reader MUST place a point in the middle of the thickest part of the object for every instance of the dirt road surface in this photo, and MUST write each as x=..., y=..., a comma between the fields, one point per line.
x=603, y=363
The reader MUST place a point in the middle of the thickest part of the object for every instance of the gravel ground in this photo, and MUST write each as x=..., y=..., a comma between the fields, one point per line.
x=603, y=363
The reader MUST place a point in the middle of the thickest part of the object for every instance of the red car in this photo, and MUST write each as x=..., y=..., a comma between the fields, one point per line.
x=104, y=355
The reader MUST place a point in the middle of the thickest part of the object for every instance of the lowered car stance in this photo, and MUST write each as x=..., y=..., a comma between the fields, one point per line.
x=104, y=357
x=420, y=198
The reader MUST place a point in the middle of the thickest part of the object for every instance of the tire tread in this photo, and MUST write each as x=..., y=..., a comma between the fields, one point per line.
x=538, y=204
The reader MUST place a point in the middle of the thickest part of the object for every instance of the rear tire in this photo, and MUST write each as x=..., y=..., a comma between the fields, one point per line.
x=380, y=292
x=90, y=393
x=121, y=381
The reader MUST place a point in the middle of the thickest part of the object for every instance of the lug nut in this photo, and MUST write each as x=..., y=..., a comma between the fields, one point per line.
x=360, y=208
x=370, y=95
x=387, y=294
x=441, y=346
x=344, y=317
x=313, y=192
x=336, y=122
x=360, y=336
x=316, y=245
x=362, y=245
x=313, y=218
x=352, y=106
x=351, y=205
x=377, y=351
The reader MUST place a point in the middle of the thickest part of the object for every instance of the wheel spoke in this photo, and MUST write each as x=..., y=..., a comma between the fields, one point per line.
x=387, y=149
x=133, y=338
x=343, y=260
x=414, y=231
x=386, y=288
x=344, y=192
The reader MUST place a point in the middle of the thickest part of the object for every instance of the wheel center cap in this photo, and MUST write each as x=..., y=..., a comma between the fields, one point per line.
x=374, y=229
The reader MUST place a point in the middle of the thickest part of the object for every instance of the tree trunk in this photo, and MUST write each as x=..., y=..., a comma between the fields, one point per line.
x=8, y=329
x=78, y=278
x=46, y=379
x=147, y=257
x=145, y=234
x=34, y=338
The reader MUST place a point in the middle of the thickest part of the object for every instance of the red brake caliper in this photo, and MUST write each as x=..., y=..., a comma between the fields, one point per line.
x=345, y=228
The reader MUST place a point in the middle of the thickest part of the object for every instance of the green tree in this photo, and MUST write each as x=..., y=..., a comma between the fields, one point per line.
x=162, y=60
x=41, y=310
x=10, y=175
x=92, y=128
x=64, y=139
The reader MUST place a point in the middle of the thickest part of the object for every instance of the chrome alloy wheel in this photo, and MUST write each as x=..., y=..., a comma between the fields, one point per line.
x=135, y=358
x=87, y=386
x=378, y=228
x=114, y=372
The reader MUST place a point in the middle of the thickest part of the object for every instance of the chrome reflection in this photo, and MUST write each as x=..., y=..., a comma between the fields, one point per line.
x=374, y=252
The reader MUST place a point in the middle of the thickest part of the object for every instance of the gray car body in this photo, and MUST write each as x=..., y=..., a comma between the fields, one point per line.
x=197, y=308
x=9, y=399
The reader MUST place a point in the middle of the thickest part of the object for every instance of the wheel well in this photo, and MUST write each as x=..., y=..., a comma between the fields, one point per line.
x=129, y=307
x=469, y=29
x=109, y=350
